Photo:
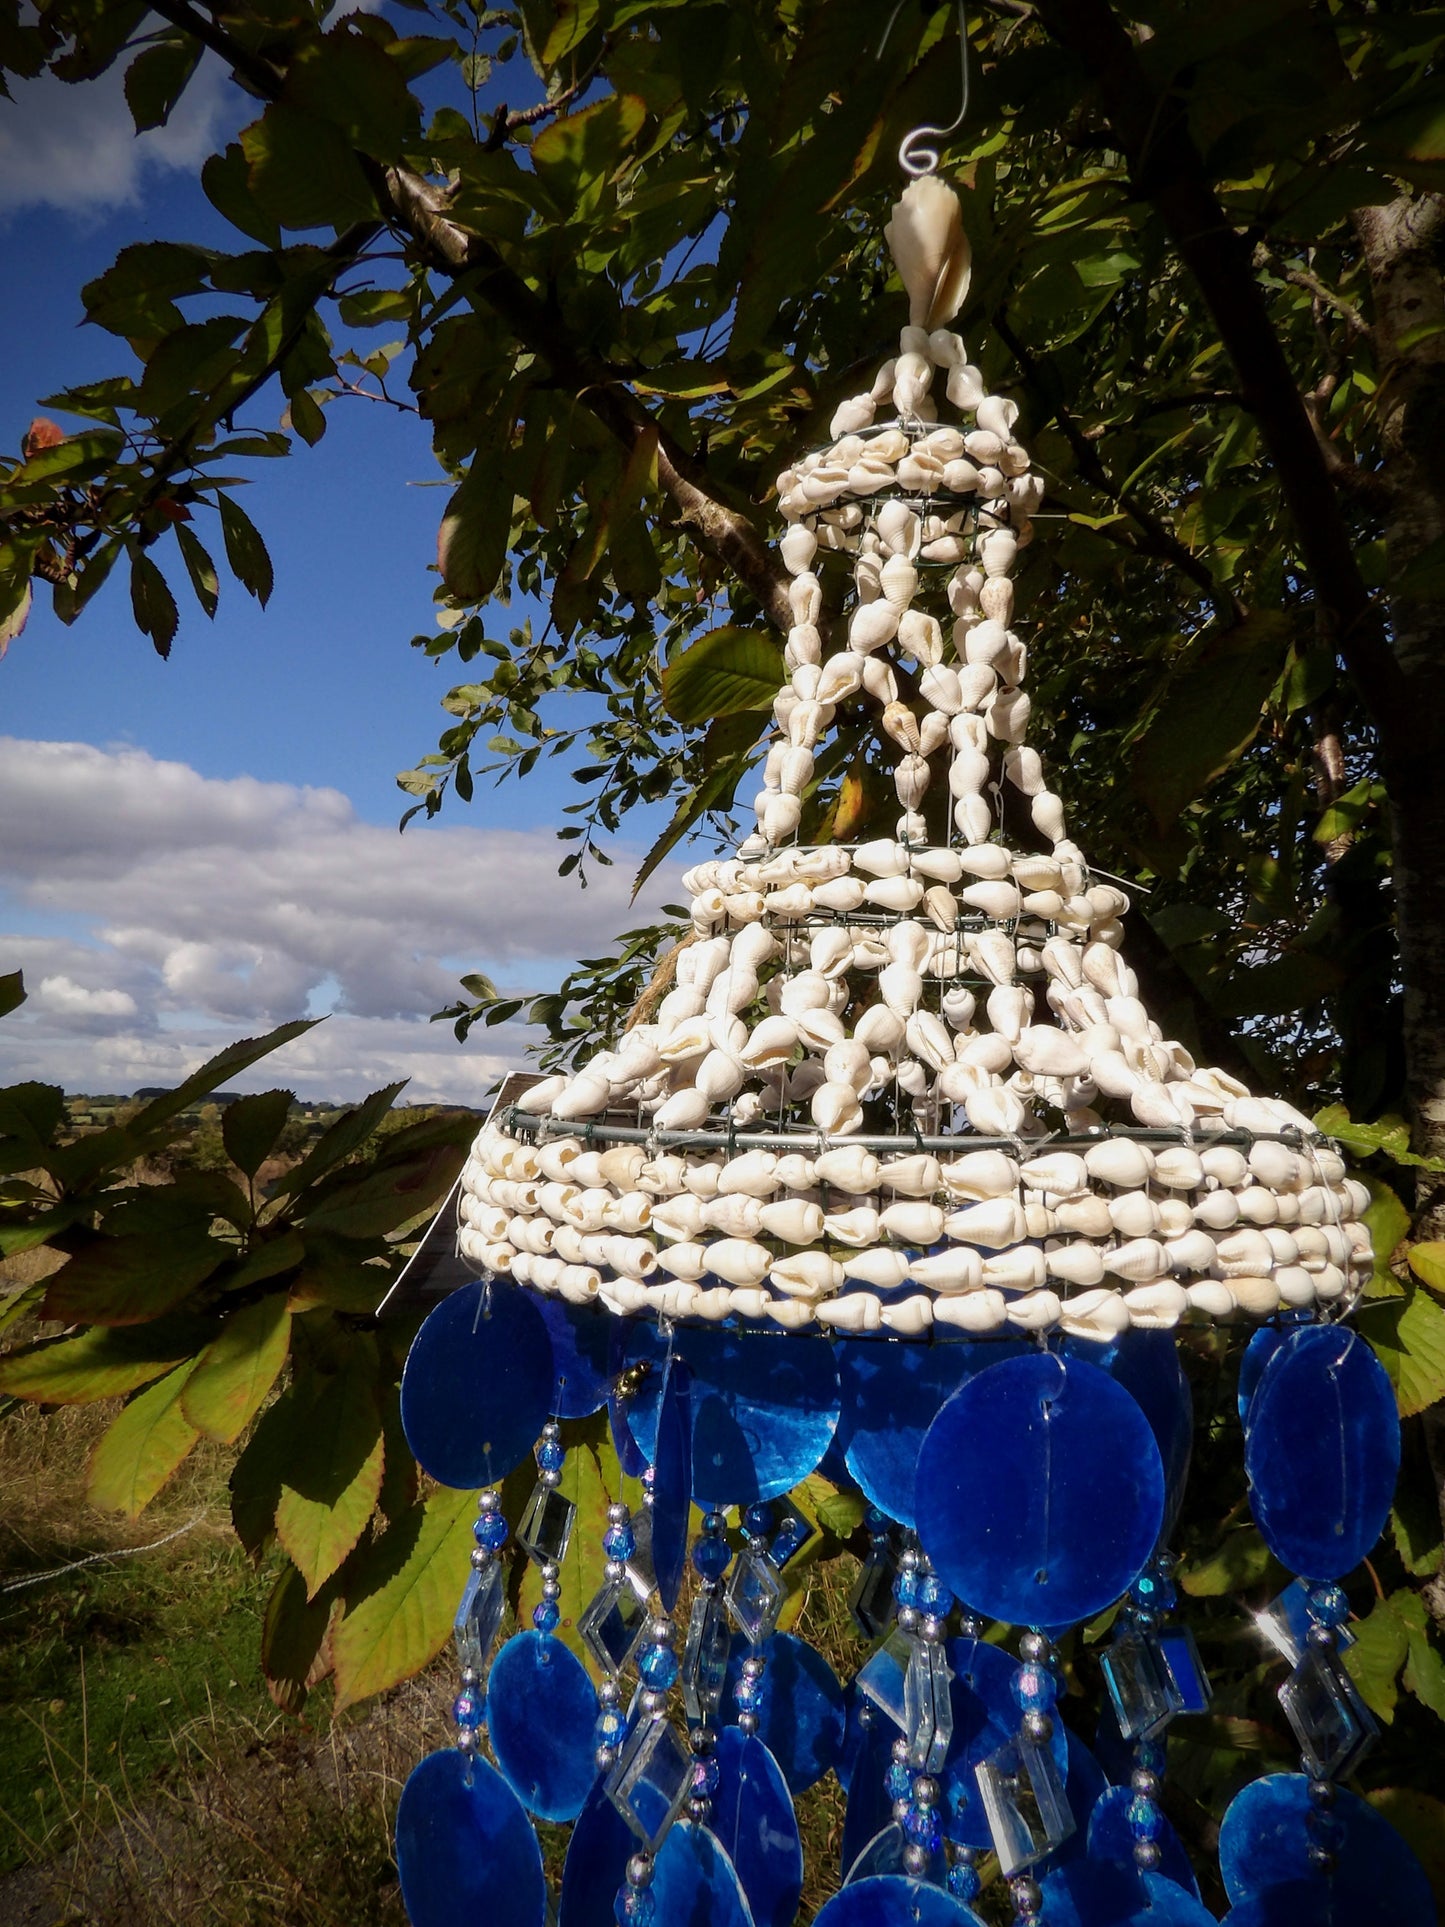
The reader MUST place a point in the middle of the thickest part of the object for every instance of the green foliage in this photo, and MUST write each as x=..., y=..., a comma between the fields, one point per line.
x=235, y=1315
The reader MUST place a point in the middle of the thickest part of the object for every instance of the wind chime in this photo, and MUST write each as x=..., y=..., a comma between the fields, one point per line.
x=901, y=1181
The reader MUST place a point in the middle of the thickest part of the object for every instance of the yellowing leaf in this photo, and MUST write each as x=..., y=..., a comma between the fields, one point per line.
x=400, y=1607
x=129, y=1280
x=1409, y=1334
x=239, y=1367
x=143, y=1447
x=99, y=1363
x=1427, y=1261
x=1375, y=1659
x=332, y=1477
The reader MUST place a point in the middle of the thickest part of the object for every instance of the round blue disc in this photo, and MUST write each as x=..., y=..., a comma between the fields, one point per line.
x=1322, y=1451
x=985, y=1718
x=1146, y=1364
x=541, y=1711
x=1040, y=1491
x=596, y=1863
x=870, y=1807
x=891, y=1394
x=1263, y=1845
x=799, y=1708
x=671, y=1481
x=477, y=1385
x=694, y=1881
x=465, y=1850
x=764, y=1410
x=1110, y=1838
x=1256, y=1355
x=752, y=1815
x=1097, y=1893
x=580, y=1345
x=892, y=1900
x=1084, y=1787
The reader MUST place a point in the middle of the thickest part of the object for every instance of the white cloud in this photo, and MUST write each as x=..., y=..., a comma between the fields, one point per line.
x=159, y=913
x=75, y=146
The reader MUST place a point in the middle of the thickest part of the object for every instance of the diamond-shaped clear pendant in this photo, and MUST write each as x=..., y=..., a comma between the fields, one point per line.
x=928, y=1705
x=479, y=1616
x=755, y=1594
x=1332, y=1723
x=651, y=1780
x=1140, y=1685
x=1179, y=1656
x=613, y=1622
x=882, y=1678
x=1024, y=1802
x=639, y=1560
x=546, y=1528
x=705, y=1658
x=871, y=1601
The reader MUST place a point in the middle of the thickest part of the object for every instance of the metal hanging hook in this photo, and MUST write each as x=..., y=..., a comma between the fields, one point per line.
x=914, y=158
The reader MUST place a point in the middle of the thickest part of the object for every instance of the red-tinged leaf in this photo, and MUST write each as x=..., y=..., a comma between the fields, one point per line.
x=238, y=1368
x=100, y=1363
x=143, y=1447
x=400, y=1605
x=295, y=1650
x=126, y=1281
x=332, y=1477
x=42, y=433
x=472, y=540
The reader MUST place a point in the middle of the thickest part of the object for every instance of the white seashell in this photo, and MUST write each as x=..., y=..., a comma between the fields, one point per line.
x=1275, y=1165
x=840, y=894
x=857, y=1227
x=993, y=1224
x=584, y=1096
x=883, y=1266
x=855, y=1311
x=1024, y=769
x=1133, y=1215
x=1244, y=1251
x=911, y=780
x=753, y=1173
x=1036, y=1311
x=1178, y=1167
x=973, y=818
x=836, y=1109
x=999, y=900
x=848, y=1168
x=992, y=953
x=797, y=1221
x=803, y=1081
x=1075, y=1264
x=879, y=1029
x=686, y=1041
x=809, y=990
x=738, y=1261
x=996, y=416
x=631, y=1257
x=912, y=379
x=539, y=1098
x=909, y=1317
x=818, y=1029
x=685, y=1110
x=772, y=1042
x=981, y=1174
x=881, y=858
x=941, y=906
x=1156, y=1307
x=1190, y=1251
x=911, y=1077
x=809, y=1275
x=679, y=1218
x=1140, y=1260
x=1021, y=1269
x=1218, y=1210
x=1009, y=1007
x=919, y=635
x=849, y=1062
x=1062, y=1173
x=1099, y=1315
x=735, y=1216
x=778, y=817
x=1085, y=1217
x=995, y=1112
x=1215, y=1300
x=956, y=1268
x=1156, y=1106
x=928, y=1039
x=897, y=893
x=900, y=986
x=912, y=1222
x=799, y=545
x=1046, y=1052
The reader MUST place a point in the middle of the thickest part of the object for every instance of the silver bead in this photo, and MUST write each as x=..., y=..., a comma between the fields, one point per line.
x=551, y=1431
x=605, y=1758
x=1147, y=1855
x=609, y=1693
x=1034, y=1647
x=907, y=1619
x=747, y=1722
x=481, y=1558
x=1037, y=1726
x=1143, y=1782
x=490, y=1500
x=468, y=1740
x=698, y=1808
x=614, y=1569
x=926, y=1790
x=659, y=1631
x=754, y=1666
x=900, y=1812
x=653, y=1702
x=931, y=1626
x=552, y=1589
x=915, y=1858
x=1322, y=1793
x=900, y=1752
x=550, y=1479
x=470, y=1676
x=908, y=1560
x=1027, y=1898
x=550, y=1570
x=618, y=1514
x=639, y=1870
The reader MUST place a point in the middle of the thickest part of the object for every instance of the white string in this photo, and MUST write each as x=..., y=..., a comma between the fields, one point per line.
x=914, y=159
x=96, y=1558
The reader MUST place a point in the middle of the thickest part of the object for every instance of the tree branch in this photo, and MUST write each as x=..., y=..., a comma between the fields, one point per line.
x=1165, y=167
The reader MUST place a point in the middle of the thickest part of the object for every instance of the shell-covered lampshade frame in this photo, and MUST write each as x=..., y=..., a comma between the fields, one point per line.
x=912, y=1081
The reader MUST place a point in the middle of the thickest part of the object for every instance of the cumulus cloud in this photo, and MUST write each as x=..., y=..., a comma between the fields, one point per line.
x=158, y=913
x=75, y=147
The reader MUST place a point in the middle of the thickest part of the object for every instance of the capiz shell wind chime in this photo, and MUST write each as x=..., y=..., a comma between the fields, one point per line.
x=903, y=1182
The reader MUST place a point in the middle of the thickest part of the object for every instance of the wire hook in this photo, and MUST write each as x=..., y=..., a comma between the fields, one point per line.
x=914, y=158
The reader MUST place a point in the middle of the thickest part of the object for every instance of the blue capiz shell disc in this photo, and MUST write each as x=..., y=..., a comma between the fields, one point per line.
x=596, y=1865
x=1263, y=1844
x=477, y=1385
x=466, y=1852
x=799, y=1707
x=695, y=1884
x=671, y=1483
x=985, y=1717
x=1322, y=1451
x=1146, y=1364
x=581, y=1342
x=1040, y=1492
x=541, y=1711
x=892, y=1900
x=752, y=1815
x=1096, y=1893
x=1111, y=1838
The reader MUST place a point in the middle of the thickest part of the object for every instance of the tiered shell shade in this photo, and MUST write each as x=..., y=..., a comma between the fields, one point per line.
x=912, y=1082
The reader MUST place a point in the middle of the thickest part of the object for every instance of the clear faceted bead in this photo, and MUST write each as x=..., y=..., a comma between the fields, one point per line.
x=1024, y=1802
x=546, y=1528
x=755, y=1594
x=479, y=1616
x=1332, y=1723
x=705, y=1658
x=1285, y=1622
x=1140, y=1685
x=881, y=1680
x=651, y=1780
x=639, y=1560
x=928, y=1705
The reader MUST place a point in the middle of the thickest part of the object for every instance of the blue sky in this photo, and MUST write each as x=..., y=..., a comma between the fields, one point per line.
x=217, y=850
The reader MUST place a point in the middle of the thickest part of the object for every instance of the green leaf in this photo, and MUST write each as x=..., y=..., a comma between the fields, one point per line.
x=1427, y=1261
x=1388, y=1134
x=99, y=1363
x=726, y=671
x=585, y=149
x=128, y=1280
x=151, y=600
x=348, y=81
x=12, y=991
x=1388, y=1223
x=1420, y=1819
x=1209, y=713
x=333, y=1474
x=255, y=1482
x=1424, y=1673
x=251, y=1125
x=1409, y=1334
x=1375, y=1659
x=400, y=1605
x=245, y=551
x=401, y=1188
x=472, y=540
x=238, y=1368
x=303, y=171
x=155, y=80
x=1241, y=1562
x=142, y=1448
x=346, y=1134
x=200, y=568
x=16, y=1305
x=216, y=1072
x=293, y=1639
